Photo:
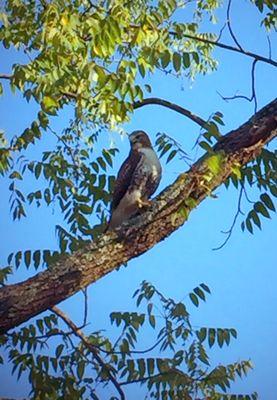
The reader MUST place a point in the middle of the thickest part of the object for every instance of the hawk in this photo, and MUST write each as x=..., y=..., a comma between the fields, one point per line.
x=137, y=179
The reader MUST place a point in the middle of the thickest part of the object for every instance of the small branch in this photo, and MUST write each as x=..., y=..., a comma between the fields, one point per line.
x=172, y=106
x=131, y=351
x=66, y=145
x=230, y=27
x=70, y=95
x=257, y=57
x=253, y=90
x=6, y=76
x=89, y=346
x=170, y=371
x=85, y=293
x=229, y=232
x=269, y=47
x=221, y=31
x=247, y=197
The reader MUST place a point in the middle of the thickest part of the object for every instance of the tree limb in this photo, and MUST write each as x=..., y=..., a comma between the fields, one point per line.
x=6, y=76
x=257, y=57
x=172, y=106
x=89, y=346
x=170, y=210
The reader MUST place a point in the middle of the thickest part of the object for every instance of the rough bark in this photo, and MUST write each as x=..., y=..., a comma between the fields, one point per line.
x=168, y=212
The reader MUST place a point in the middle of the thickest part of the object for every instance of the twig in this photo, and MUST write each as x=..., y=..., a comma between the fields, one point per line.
x=6, y=76
x=230, y=27
x=247, y=197
x=172, y=106
x=269, y=47
x=221, y=31
x=132, y=351
x=85, y=293
x=89, y=346
x=70, y=95
x=77, y=166
x=253, y=90
x=170, y=371
x=229, y=232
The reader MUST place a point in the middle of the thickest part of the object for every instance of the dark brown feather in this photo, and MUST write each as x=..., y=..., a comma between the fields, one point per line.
x=124, y=177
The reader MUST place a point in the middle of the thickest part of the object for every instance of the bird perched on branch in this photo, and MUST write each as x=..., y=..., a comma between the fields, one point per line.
x=138, y=178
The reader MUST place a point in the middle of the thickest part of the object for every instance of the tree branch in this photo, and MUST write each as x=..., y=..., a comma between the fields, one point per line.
x=6, y=76
x=89, y=346
x=172, y=106
x=253, y=90
x=257, y=57
x=170, y=210
x=230, y=27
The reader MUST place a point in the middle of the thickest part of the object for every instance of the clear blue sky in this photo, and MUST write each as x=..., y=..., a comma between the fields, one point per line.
x=242, y=276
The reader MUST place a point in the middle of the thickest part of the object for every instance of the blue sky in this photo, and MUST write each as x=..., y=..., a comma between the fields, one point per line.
x=242, y=275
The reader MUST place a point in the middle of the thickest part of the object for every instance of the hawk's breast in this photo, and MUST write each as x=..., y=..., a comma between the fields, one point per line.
x=150, y=165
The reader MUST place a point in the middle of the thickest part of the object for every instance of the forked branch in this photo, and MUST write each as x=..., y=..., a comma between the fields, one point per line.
x=89, y=346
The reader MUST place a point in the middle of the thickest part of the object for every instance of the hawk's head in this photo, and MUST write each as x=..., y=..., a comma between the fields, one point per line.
x=139, y=139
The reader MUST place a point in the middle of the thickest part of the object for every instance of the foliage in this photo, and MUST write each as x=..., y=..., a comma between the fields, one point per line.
x=176, y=366
x=94, y=61
x=270, y=19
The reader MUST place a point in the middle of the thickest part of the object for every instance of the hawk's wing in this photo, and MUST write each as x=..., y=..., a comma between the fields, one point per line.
x=124, y=177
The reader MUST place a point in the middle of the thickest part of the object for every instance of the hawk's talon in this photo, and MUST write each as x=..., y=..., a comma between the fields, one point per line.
x=143, y=203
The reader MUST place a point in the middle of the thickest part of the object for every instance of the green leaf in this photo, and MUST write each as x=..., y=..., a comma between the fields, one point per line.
x=220, y=338
x=186, y=60
x=18, y=257
x=214, y=162
x=15, y=175
x=254, y=216
x=165, y=59
x=59, y=350
x=150, y=366
x=205, y=287
x=211, y=336
x=36, y=258
x=204, y=145
x=49, y=102
x=176, y=61
x=260, y=208
x=195, y=57
x=152, y=321
x=194, y=299
x=233, y=333
x=80, y=369
x=249, y=225
x=202, y=334
x=199, y=293
x=267, y=201
x=141, y=367
x=172, y=154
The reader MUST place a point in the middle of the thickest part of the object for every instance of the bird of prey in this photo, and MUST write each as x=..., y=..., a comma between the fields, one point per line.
x=137, y=179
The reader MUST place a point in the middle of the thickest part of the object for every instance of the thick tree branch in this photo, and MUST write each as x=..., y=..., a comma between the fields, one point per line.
x=89, y=346
x=169, y=211
x=172, y=106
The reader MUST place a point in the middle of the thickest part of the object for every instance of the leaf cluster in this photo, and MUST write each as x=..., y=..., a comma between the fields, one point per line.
x=176, y=366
